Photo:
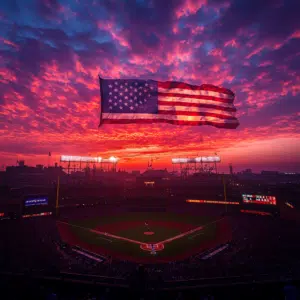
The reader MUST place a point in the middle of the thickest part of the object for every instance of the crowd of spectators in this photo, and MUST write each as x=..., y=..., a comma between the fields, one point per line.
x=28, y=245
x=34, y=288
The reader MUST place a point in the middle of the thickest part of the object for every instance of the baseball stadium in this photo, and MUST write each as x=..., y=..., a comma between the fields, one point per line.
x=196, y=231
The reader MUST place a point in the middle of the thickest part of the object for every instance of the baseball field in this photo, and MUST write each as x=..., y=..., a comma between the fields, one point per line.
x=146, y=237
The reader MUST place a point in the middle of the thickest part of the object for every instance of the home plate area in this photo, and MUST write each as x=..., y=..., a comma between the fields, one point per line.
x=146, y=238
x=153, y=248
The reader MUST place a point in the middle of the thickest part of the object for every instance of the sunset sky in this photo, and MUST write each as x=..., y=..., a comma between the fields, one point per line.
x=51, y=52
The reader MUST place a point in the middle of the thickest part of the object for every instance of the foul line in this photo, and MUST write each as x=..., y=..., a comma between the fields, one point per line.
x=117, y=237
x=103, y=238
x=181, y=235
x=216, y=251
x=104, y=233
x=189, y=232
x=191, y=237
x=70, y=224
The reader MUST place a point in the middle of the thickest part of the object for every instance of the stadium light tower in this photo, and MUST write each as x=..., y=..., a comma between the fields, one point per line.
x=113, y=159
x=77, y=161
x=201, y=164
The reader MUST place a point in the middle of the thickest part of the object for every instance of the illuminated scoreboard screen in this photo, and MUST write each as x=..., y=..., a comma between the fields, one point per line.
x=36, y=205
x=36, y=201
x=259, y=199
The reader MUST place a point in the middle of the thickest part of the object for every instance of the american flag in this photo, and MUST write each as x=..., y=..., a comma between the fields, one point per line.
x=147, y=101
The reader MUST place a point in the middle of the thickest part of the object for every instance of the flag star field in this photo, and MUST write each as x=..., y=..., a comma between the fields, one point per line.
x=129, y=96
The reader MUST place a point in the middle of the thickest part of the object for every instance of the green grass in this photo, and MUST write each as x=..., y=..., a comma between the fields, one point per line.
x=173, y=248
x=186, y=243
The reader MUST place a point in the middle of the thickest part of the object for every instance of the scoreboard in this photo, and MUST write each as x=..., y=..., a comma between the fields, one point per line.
x=33, y=201
x=259, y=199
x=36, y=205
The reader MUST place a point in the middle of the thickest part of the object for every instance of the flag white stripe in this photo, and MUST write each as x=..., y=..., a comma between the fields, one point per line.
x=137, y=116
x=195, y=92
x=190, y=100
x=195, y=109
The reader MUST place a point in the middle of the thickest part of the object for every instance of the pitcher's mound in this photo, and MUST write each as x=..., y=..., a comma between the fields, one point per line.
x=148, y=233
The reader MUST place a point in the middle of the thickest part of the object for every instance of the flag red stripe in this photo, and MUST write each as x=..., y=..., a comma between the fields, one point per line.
x=203, y=87
x=204, y=97
x=178, y=103
x=196, y=113
x=175, y=122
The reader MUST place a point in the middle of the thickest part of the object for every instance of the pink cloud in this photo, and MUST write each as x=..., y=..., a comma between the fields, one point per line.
x=217, y=53
x=295, y=35
x=197, y=30
x=7, y=76
x=116, y=34
x=189, y=7
x=7, y=42
x=232, y=43
x=215, y=68
x=255, y=51
x=266, y=63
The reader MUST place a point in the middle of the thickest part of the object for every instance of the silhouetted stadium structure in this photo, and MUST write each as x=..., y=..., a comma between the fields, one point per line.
x=236, y=238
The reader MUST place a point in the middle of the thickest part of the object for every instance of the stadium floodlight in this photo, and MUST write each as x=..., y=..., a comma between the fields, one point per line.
x=113, y=159
x=204, y=159
x=182, y=160
x=208, y=159
x=70, y=158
